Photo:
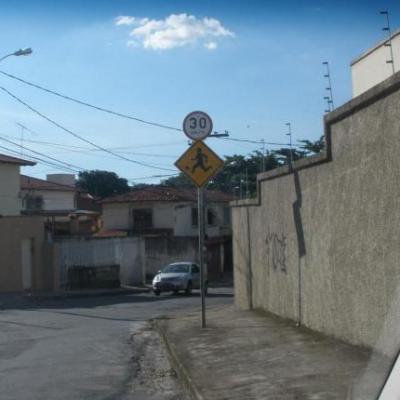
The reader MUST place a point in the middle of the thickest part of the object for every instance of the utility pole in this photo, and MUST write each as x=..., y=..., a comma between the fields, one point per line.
x=388, y=43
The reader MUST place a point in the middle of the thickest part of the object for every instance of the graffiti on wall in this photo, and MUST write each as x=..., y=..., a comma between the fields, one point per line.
x=276, y=251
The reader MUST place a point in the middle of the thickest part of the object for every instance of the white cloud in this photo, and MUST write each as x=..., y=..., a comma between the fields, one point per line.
x=210, y=45
x=129, y=21
x=132, y=43
x=124, y=20
x=177, y=30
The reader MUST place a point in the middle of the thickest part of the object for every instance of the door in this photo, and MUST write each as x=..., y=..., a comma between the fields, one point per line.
x=26, y=256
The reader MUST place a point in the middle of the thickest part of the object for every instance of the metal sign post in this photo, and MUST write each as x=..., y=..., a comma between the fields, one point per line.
x=201, y=223
x=200, y=164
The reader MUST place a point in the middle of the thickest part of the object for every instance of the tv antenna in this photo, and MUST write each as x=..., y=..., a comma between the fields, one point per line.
x=388, y=43
x=329, y=97
x=289, y=125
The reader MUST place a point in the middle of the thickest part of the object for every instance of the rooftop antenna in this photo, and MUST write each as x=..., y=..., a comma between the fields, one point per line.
x=388, y=43
x=23, y=128
x=289, y=125
x=329, y=98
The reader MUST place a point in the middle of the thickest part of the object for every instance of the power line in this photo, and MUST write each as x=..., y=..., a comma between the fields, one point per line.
x=152, y=176
x=40, y=160
x=255, y=141
x=68, y=165
x=78, y=136
x=103, y=109
x=89, y=149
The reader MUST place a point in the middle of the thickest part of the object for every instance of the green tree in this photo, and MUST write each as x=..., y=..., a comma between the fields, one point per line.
x=313, y=147
x=102, y=183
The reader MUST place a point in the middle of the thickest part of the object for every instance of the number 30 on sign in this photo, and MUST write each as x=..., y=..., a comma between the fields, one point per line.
x=197, y=125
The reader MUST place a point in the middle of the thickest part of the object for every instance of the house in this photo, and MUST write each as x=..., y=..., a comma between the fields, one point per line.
x=10, y=198
x=376, y=64
x=58, y=200
x=167, y=210
x=166, y=217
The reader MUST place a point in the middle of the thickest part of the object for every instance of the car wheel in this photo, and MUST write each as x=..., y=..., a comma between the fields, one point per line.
x=189, y=288
x=157, y=292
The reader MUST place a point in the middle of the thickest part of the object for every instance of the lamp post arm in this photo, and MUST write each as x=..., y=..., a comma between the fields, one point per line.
x=8, y=55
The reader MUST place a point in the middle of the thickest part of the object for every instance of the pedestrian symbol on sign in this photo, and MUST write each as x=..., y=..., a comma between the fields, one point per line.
x=199, y=163
x=200, y=159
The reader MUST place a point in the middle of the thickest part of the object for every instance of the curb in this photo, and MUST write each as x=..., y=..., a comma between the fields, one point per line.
x=178, y=366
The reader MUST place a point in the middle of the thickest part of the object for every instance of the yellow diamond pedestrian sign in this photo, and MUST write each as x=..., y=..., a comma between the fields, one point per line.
x=199, y=163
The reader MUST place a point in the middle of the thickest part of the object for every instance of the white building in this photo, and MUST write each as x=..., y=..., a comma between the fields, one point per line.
x=167, y=210
x=371, y=67
x=38, y=194
x=10, y=196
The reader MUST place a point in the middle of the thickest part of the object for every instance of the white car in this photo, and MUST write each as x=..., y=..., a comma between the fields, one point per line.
x=178, y=276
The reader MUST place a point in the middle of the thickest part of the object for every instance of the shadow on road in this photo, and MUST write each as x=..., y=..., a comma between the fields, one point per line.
x=23, y=303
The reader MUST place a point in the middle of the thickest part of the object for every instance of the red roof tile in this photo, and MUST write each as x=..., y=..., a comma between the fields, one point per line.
x=30, y=183
x=163, y=193
x=13, y=160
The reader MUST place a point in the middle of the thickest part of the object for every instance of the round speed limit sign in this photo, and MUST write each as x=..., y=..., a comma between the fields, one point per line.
x=197, y=125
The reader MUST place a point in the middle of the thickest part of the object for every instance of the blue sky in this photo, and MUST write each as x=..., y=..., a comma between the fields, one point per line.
x=262, y=68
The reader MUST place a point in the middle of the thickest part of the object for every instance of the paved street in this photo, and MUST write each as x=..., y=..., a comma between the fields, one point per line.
x=91, y=348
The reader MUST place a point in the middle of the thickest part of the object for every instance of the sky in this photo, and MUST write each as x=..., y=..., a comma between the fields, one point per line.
x=251, y=65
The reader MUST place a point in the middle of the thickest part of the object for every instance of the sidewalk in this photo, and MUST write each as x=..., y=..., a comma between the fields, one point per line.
x=255, y=355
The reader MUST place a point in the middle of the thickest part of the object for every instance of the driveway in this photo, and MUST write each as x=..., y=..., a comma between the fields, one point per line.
x=91, y=348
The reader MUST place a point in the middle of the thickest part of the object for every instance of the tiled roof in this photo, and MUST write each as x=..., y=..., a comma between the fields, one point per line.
x=30, y=183
x=13, y=160
x=163, y=193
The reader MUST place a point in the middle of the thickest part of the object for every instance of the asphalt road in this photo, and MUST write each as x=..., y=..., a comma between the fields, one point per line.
x=91, y=348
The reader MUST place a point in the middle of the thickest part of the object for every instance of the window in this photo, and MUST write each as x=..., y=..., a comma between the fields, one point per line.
x=227, y=216
x=34, y=203
x=142, y=219
x=195, y=217
x=211, y=217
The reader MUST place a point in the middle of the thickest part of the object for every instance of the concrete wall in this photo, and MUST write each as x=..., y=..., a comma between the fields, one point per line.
x=321, y=245
x=371, y=68
x=161, y=251
x=13, y=231
x=128, y=253
x=10, y=201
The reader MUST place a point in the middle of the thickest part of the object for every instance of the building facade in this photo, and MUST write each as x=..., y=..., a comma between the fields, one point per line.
x=166, y=210
x=376, y=64
x=10, y=197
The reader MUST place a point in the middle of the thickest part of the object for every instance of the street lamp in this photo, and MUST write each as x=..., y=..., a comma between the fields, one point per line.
x=20, y=52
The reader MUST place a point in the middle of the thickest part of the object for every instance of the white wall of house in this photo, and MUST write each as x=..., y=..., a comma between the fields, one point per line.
x=184, y=224
x=371, y=67
x=10, y=200
x=53, y=199
x=57, y=200
x=176, y=216
x=116, y=216
x=120, y=215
